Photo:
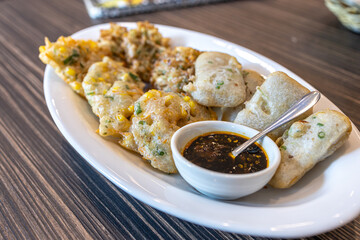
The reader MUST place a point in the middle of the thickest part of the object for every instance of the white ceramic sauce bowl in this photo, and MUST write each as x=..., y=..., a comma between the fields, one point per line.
x=222, y=185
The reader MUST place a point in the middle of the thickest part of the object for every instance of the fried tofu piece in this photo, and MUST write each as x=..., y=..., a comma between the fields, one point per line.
x=111, y=91
x=72, y=58
x=157, y=116
x=308, y=142
x=142, y=46
x=274, y=97
x=174, y=69
x=252, y=80
x=218, y=81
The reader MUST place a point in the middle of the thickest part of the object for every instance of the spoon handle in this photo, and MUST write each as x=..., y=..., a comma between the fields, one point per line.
x=294, y=111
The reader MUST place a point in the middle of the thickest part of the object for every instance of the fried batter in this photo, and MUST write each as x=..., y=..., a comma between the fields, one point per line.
x=174, y=69
x=308, y=142
x=275, y=96
x=111, y=91
x=157, y=115
x=142, y=47
x=252, y=80
x=112, y=39
x=72, y=58
x=218, y=81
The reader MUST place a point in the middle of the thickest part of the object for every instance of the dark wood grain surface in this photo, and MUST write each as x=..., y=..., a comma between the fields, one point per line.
x=48, y=191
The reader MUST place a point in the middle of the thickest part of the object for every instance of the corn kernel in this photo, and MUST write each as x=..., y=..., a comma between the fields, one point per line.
x=104, y=92
x=183, y=112
x=120, y=117
x=70, y=71
x=192, y=104
x=115, y=89
x=101, y=79
x=93, y=45
x=62, y=49
x=192, y=107
x=131, y=108
x=76, y=86
x=168, y=99
x=154, y=91
x=186, y=98
x=148, y=95
x=126, y=77
x=42, y=49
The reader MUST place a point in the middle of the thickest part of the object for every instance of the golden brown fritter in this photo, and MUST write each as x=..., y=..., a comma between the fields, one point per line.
x=112, y=39
x=111, y=91
x=142, y=46
x=72, y=58
x=174, y=69
x=157, y=115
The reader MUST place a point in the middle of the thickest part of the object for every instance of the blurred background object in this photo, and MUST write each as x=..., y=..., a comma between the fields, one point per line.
x=118, y=8
x=347, y=11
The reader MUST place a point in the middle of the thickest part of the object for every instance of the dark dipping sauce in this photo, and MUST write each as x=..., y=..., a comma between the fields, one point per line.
x=212, y=151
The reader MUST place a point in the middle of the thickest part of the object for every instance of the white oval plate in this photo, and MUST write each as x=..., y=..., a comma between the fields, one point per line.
x=326, y=198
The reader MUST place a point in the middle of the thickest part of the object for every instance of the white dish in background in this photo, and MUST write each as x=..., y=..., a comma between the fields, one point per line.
x=326, y=198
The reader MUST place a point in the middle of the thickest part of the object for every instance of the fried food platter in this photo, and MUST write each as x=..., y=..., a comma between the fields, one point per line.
x=330, y=189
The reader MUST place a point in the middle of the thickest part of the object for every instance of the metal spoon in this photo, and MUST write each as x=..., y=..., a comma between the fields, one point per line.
x=294, y=111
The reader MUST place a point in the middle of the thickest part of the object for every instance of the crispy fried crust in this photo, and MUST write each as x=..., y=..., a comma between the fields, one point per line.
x=157, y=116
x=252, y=80
x=111, y=91
x=72, y=58
x=174, y=69
x=308, y=142
x=218, y=81
x=270, y=101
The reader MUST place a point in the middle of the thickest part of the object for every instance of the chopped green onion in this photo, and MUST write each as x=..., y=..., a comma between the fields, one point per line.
x=161, y=153
x=72, y=58
x=137, y=108
x=210, y=62
x=321, y=134
x=219, y=84
x=283, y=147
x=133, y=76
x=141, y=122
x=320, y=124
x=90, y=93
x=111, y=97
x=229, y=70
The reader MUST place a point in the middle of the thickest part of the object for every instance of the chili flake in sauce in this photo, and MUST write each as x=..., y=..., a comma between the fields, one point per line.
x=211, y=151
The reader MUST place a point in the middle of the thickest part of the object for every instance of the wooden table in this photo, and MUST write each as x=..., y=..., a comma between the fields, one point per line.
x=48, y=191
